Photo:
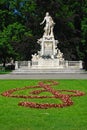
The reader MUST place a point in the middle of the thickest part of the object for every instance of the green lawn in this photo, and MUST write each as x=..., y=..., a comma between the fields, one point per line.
x=5, y=72
x=14, y=117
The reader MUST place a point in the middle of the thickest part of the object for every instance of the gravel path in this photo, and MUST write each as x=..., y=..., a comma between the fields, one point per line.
x=45, y=76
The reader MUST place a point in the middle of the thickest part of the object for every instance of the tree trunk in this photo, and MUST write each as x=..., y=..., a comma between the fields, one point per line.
x=85, y=62
x=4, y=63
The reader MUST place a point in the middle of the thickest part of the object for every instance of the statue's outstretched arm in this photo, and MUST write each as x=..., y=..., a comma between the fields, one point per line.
x=42, y=22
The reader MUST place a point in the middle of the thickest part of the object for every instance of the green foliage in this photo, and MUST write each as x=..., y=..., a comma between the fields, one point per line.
x=6, y=51
x=84, y=34
x=13, y=33
x=6, y=18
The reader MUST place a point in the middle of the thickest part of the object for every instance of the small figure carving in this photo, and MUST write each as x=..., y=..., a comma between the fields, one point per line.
x=35, y=57
x=60, y=55
x=11, y=61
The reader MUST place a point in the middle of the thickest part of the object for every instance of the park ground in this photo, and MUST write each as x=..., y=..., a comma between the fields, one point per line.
x=14, y=117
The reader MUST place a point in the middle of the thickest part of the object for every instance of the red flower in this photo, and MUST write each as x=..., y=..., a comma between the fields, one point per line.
x=46, y=85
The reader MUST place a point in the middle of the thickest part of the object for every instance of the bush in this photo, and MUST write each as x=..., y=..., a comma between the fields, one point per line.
x=2, y=68
x=10, y=67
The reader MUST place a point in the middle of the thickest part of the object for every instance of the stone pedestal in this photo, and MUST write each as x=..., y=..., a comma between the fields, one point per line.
x=49, y=56
x=80, y=65
x=48, y=47
x=16, y=65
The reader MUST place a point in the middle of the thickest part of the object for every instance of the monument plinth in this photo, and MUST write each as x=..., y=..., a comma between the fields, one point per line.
x=49, y=55
x=48, y=46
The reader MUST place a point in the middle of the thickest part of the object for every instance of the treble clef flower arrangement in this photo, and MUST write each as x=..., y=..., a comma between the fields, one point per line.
x=46, y=87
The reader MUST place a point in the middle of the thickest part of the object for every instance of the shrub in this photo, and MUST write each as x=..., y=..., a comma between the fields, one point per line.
x=10, y=67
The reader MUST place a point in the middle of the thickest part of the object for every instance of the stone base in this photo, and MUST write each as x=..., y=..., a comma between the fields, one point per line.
x=48, y=63
x=48, y=66
x=30, y=71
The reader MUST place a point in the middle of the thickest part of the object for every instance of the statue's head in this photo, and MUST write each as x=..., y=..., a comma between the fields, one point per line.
x=47, y=13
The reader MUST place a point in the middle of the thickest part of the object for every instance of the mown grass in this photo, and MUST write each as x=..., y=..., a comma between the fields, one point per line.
x=5, y=72
x=14, y=117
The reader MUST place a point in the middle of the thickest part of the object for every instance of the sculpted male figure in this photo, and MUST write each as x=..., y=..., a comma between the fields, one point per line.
x=49, y=25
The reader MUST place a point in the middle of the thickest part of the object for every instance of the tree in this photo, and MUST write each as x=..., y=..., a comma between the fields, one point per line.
x=6, y=50
x=13, y=33
x=84, y=34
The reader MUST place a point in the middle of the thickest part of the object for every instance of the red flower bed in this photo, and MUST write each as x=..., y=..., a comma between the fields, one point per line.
x=46, y=87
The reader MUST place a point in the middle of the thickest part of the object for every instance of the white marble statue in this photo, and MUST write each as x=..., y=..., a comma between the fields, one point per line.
x=35, y=57
x=60, y=55
x=49, y=25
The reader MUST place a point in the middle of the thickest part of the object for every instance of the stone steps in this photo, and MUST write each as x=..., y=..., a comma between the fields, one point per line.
x=46, y=71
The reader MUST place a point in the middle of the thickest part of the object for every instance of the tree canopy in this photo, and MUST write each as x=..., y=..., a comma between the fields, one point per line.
x=20, y=27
